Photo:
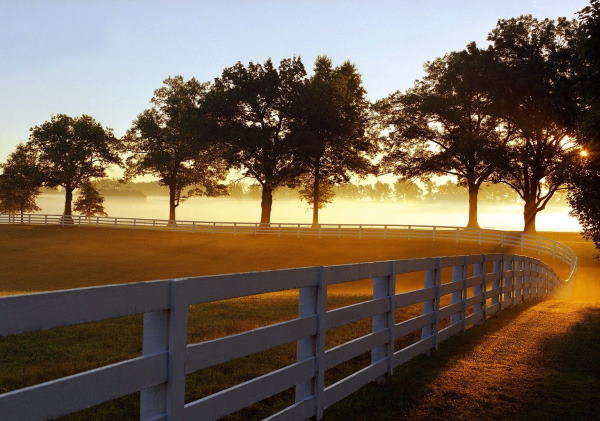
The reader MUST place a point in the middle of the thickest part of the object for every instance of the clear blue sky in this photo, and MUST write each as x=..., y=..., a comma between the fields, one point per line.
x=105, y=58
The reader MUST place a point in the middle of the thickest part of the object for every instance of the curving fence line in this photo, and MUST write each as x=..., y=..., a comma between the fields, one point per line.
x=536, y=244
x=458, y=292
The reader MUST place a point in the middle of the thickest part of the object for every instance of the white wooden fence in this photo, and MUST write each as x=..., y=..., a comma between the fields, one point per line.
x=524, y=242
x=480, y=286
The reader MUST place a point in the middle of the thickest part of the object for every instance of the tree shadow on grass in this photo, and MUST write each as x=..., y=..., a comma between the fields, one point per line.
x=571, y=387
x=399, y=393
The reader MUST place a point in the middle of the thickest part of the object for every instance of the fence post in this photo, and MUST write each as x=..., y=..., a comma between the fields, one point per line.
x=384, y=287
x=457, y=276
x=513, y=279
x=534, y=281
x=313, y=301
x=480, y=269
x=525, y=279
x=497, y=265
x=153, y=400
x=465, y=275
x=432, y=280
x=518, y=279
x=177, y=350
x=507, y=285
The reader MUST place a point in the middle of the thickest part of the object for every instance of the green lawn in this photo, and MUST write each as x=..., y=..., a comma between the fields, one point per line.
x=47, y=258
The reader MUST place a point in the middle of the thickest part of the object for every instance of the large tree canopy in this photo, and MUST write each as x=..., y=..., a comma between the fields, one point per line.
x=253, y=108
x=72, y=150
x=449, y=123
x=588, y=48
x=538, y=58
x=172, y=141
x=584, y=182
x=332, y=127
x=20, y=181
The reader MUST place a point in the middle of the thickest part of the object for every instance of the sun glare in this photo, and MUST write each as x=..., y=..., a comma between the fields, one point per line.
x=583, y=153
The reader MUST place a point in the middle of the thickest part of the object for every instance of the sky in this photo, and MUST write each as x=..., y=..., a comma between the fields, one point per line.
x=105, y=58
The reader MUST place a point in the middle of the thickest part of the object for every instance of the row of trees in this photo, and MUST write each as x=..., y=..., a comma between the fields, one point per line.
x=509, y=113
x=405, y=190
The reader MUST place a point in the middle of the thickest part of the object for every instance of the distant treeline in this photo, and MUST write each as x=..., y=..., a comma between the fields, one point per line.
x=517, y=117
x=401, y=191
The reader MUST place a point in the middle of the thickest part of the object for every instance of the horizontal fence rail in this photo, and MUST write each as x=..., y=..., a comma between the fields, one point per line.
x=524, y=242
x=479, y=287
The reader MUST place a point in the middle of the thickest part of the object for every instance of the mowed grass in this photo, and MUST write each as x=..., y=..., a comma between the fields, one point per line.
x=49, y=258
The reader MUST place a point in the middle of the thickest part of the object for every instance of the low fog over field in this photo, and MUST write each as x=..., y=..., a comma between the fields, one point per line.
x=343, y=211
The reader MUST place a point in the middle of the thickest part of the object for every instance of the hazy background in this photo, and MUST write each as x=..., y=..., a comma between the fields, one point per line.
x=341, y=211
x=105, y=58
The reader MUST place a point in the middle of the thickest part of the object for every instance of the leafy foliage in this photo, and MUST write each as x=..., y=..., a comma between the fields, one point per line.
x=448, y=123
x=253, y=110
x=72, y=150
x=539, y=82
x=584, y=198
x=332, y=121
x=588, y=47
x=171, y=141
x=90, y=202
x=20, y=181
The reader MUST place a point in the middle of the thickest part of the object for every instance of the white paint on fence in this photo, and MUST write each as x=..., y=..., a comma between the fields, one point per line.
x=167, y=357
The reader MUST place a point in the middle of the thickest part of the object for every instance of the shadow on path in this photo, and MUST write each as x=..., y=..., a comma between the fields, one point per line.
x=532, y=362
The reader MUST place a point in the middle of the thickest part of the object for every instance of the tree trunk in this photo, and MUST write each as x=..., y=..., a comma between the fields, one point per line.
x=316, y=200
x=172, y=205
x=68, y=201
x=22, y=215
x=473, y=193
x=529, y=213
x=67, y=214
x=265, y=205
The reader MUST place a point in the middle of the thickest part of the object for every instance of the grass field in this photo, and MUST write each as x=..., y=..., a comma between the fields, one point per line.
x=48, y=258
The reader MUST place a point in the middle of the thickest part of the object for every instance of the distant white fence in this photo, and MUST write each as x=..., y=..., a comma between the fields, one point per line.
x=525, y=242
x=480, y=286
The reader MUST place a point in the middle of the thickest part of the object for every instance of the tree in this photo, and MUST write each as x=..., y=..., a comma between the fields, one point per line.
x=72, y=150
x=448, y=123
x=323, y=197
x=252, y=107
x=20, y=181
x=172, y=141
x=90, y=202
x=332, y=122
x=588, y=57
x=584, y=197
x=407, y=190
x=538, y=59
x=583, y=192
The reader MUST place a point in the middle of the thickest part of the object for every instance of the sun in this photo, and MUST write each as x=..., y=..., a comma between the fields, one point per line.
x=583, y=153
